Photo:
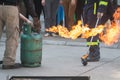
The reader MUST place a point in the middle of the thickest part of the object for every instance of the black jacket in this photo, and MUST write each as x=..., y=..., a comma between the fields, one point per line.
x=100, y=7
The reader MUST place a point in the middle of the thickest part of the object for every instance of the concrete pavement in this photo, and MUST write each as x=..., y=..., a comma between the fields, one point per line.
x=61, y=57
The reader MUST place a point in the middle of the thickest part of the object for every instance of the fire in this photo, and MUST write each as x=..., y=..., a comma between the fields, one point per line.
x=63, y=32
x=93, y=31
x=53, y=29
x=109, y=34
x=76, y=31
x=112, y=32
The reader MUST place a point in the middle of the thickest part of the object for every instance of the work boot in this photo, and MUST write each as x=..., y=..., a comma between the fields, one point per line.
x=15, y=66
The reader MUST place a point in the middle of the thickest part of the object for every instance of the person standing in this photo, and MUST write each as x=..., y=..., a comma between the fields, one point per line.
x=9, y=17
x=50, y=10
x=94, y=10
x=69, y=8
x=31, y=10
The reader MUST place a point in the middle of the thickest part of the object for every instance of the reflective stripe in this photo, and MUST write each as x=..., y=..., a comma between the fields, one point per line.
x=93, y=43
x=95, y=5
x=103, y=3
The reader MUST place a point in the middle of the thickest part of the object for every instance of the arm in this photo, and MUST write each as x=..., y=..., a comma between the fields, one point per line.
x=25, y=19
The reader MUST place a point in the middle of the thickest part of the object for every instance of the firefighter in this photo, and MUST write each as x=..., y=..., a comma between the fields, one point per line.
x=93, y=10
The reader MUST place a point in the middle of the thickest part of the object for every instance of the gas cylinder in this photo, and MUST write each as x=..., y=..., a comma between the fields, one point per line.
x=31, y=47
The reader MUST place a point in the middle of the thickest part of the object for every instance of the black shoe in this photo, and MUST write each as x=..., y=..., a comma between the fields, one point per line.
x=15, y=66
x=92, y=59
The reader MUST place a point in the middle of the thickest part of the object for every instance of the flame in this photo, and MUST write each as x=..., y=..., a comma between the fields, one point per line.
x=52, y=29
x=76, y=31
x=109, y=34
x=63, y=32
x=93, y=31
x=112, y=32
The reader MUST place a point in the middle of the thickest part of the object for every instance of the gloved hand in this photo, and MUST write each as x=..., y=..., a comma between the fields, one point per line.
x=99, y=15
x=36, y=23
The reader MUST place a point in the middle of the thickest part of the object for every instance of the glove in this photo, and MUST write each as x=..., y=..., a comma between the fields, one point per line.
x=36, y=23
x=99, y=15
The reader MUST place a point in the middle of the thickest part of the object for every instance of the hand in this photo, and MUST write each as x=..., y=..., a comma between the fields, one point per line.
x=25, y=19
x=61, y=1
x=73, y=2
x=37, y=25
x=43, y=2
x=99, y=15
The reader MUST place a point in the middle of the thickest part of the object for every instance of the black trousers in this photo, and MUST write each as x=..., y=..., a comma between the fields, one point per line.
x=38, y=7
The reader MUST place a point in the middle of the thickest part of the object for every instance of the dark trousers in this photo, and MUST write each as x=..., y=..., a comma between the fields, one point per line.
x=79, y=9
x=38, y=7
x=50, y=9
